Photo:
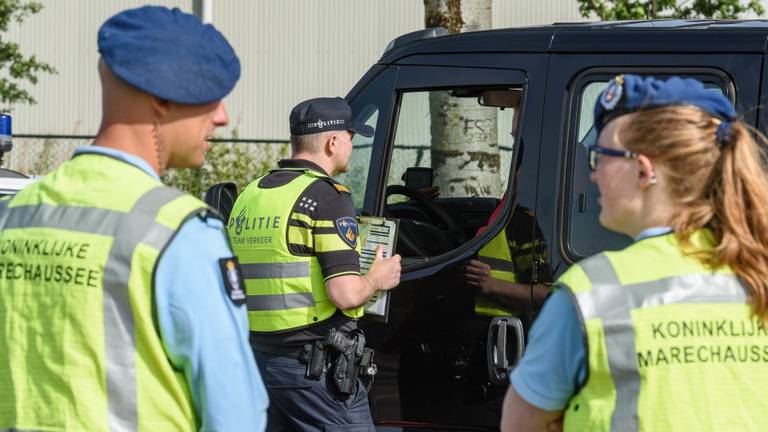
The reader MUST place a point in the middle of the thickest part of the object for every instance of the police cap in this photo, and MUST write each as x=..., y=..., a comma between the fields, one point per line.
x=169, y=54
x=325, y=114
x=630, y=93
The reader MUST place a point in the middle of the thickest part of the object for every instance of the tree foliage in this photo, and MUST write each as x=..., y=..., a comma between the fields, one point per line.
x=240, y=163
x=616, y=10
x=14, y=66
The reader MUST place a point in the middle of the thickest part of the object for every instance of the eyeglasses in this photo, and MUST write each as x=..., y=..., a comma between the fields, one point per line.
x=594, y=152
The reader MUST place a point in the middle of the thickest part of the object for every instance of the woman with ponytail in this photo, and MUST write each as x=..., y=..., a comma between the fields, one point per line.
x=670, y=333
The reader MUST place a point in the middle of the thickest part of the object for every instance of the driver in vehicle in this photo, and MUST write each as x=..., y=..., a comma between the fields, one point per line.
x=506, y=267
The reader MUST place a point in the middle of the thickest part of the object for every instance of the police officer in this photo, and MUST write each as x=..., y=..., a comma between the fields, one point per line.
x=667, y=334
x=295, y=233
x=510, y=272
x=116, y=308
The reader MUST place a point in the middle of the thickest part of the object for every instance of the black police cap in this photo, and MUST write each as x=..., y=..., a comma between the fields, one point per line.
x=325, y=114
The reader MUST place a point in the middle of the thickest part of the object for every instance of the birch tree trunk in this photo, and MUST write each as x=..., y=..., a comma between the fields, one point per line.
x=465, y=145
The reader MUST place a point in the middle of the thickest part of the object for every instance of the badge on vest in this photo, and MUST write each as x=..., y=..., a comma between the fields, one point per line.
x=233, y=280
x=347, y=229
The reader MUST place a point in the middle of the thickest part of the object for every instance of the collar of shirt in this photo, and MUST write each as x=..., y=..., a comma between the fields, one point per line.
x=301, y=163
x=653, y=232
x=120, y=155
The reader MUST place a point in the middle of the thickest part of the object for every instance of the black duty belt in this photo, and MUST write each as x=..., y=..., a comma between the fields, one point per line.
x=293, y=352
x=344, y=356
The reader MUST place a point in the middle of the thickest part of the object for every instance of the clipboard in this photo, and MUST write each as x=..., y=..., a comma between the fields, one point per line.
x=374, y=232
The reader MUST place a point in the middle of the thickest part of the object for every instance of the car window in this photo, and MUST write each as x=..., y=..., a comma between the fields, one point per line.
x=585, y=236
x=455, y=148
x=469, y=155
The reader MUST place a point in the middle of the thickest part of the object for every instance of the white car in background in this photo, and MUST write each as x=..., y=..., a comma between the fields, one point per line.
x=11, y=181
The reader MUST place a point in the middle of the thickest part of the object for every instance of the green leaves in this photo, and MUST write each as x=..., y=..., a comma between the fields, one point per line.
x=240, y=163
x=616, y=10
x=14, y=66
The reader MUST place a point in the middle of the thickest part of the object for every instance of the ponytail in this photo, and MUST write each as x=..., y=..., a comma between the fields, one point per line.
x=721, y=183
x=739, y=197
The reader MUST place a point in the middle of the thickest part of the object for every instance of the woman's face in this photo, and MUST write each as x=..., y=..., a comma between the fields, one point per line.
x=617, y=178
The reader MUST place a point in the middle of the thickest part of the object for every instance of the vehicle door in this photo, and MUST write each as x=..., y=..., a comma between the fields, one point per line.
x=567, y=201
x=431, y=115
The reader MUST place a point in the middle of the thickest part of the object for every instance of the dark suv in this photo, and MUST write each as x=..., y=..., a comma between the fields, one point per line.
x=441, y=365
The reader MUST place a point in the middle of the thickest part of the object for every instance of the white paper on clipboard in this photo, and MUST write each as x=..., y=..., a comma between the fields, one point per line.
x=375, y=232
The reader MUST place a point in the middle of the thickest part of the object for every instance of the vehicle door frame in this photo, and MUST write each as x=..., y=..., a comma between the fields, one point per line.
x=428, y=72
x=432, y=72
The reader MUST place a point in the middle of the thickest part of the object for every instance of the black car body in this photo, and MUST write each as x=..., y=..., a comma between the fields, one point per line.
x=431, y=351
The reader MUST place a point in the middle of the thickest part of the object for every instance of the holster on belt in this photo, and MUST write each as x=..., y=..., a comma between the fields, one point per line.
x=345, y=356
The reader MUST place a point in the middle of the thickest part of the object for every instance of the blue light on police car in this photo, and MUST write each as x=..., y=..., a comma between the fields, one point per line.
x=5, y=133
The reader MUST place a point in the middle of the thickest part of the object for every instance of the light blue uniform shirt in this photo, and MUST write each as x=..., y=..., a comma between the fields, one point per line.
x=555, y=364
x=203, y=332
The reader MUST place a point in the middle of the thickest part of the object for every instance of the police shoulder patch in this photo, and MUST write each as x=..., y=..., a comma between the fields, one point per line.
x=346, y=227
x=233, y=280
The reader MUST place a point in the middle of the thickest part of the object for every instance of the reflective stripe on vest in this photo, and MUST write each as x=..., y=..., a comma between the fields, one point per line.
x=269, y=302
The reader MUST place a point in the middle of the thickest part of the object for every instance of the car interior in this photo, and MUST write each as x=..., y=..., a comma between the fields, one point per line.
x=434, y=217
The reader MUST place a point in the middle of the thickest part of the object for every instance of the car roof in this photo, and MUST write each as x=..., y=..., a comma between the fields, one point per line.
x=662, y=36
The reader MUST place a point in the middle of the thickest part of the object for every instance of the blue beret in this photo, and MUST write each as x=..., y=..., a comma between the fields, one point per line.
x=630, y=93
x=169, y=54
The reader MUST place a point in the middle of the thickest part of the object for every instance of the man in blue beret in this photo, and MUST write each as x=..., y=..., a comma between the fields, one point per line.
x=122, y=305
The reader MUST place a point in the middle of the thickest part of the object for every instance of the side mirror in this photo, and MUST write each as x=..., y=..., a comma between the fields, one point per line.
x=221, y=197
x=506, y=340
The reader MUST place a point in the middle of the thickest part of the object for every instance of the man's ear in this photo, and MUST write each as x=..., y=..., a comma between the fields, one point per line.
x=329, y=144
x=160, y=107
x=646, y=172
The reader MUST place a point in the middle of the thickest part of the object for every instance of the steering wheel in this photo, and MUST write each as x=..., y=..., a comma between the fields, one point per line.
x=445, y=237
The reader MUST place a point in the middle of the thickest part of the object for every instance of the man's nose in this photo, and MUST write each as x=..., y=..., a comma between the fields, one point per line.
x=220, y=117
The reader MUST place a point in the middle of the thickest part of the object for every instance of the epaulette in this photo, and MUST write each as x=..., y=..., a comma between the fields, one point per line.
x=340, y=188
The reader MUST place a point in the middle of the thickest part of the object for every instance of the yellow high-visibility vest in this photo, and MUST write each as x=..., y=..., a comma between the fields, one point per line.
x=498, y=255
x=79, y=348
x=671, y=344
x=284, y=291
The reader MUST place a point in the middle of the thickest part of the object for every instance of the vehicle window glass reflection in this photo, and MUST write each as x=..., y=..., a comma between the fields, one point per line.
x=450, y=164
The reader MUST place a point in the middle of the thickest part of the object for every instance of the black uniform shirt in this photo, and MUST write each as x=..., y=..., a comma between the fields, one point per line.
x=325, y=202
